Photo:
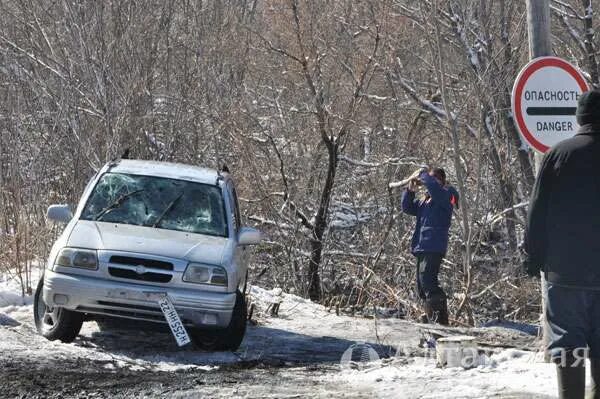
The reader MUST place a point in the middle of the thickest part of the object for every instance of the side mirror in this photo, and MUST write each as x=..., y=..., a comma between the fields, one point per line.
x=59, y=213
x=249, y=236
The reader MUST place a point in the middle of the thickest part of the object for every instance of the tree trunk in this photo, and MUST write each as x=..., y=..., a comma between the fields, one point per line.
x=320, y=225
x=314, y=283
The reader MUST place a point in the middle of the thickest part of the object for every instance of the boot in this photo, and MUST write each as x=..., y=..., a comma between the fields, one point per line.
x=427, y=316
x=442, y=312
x=436, y=310
x=595, y=371
x=571, y=381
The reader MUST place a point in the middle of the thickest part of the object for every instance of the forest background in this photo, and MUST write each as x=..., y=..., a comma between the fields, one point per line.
x=314, y=106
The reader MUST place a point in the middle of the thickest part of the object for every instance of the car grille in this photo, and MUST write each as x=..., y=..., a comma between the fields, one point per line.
x=129, y=306
x=140, y=269
x=133, y=275
x=133, y=261
x=131, y=311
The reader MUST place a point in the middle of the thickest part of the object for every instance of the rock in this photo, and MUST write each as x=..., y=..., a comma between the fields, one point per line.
x=8, y=321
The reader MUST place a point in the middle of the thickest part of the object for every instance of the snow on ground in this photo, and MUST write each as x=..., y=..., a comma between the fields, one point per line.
x=522, y=373
x=522, y=376
x=302, y=335
x=10, y=292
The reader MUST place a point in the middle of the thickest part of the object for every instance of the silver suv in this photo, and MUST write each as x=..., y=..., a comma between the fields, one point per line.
x=145, y=230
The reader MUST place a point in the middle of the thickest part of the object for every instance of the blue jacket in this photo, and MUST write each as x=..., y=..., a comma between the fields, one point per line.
x=434, y=214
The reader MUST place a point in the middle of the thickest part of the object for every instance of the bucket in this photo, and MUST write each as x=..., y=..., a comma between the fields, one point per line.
x=457, y=351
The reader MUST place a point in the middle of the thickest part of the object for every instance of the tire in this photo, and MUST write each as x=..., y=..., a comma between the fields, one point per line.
x=55, y=323
x=229, y=338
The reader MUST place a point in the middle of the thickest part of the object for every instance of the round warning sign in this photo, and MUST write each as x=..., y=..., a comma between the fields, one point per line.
x=544, y=101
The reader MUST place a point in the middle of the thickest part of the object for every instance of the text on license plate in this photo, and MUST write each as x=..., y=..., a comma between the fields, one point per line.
x=177, y=328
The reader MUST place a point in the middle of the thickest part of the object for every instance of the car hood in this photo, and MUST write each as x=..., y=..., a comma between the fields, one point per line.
x=148, y=240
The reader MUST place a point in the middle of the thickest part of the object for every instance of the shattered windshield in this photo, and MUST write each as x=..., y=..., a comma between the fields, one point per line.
x=157, y=202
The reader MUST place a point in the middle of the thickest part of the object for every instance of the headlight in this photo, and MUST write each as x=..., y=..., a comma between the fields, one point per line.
x=74, y=257
x=205, y=274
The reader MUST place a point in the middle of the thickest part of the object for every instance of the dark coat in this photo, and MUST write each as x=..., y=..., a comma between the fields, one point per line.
x=563, y=228
x=434, y=214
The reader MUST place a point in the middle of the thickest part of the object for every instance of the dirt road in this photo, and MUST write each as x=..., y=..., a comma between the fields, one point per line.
x=284, y=356
x=297, y=354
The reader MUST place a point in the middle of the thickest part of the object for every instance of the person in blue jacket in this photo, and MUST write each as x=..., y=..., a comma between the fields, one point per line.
x=430, y=239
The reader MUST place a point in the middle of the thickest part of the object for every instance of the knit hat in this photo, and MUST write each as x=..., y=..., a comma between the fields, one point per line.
x=588, y=108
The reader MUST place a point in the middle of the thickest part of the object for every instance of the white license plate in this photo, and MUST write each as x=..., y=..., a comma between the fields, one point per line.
x=177, y=328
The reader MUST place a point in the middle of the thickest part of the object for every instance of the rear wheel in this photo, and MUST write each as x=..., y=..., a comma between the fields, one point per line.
x=55, y=323
x=228, y=339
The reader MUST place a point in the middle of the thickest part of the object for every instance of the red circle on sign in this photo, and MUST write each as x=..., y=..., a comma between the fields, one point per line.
x=525, y=74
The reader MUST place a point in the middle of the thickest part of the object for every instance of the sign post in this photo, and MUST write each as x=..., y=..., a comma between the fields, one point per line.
x=544, y=101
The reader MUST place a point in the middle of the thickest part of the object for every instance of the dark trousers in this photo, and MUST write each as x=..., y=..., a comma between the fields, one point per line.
x=573, y=315
x=428, y=267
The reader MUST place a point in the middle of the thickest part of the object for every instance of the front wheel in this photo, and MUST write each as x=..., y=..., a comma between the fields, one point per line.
x=55, y=323
x=228, y=339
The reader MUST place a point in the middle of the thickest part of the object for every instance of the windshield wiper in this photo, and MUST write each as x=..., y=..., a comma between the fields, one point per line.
x=116, y=203
x=167, y=209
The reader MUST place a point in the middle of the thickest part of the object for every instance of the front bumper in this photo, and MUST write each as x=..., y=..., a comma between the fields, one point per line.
x=136, y=301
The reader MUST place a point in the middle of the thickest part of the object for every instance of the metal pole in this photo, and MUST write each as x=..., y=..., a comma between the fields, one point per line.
x=538, y=27
x=540, y=44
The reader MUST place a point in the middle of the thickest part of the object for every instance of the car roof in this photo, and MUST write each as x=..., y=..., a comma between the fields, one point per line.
x=170, y=170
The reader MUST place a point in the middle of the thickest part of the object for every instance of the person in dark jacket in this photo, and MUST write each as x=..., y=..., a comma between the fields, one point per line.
x=562, y=239
x=430, y=238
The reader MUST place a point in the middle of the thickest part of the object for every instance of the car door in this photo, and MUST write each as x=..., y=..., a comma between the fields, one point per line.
x=240, y=252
